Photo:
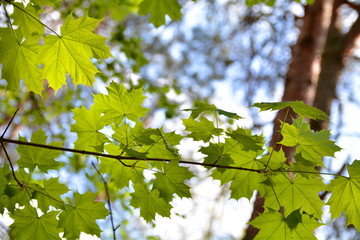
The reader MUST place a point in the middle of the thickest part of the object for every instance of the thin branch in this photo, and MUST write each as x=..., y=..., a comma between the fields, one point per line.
x=7, y=127
x=11, y=165
x=108, y=200
x=120, y=158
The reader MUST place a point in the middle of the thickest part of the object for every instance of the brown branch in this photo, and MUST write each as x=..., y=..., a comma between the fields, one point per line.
x=352, y=5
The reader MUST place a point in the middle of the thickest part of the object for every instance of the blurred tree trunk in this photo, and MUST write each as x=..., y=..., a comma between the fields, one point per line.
x=319, y=57
x=338, y=49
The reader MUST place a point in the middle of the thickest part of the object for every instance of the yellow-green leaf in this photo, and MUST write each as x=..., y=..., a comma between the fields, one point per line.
x=71, y=52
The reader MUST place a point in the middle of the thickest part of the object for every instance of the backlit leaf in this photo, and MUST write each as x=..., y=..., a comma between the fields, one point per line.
x=149, y=202
x=81, y=215
x=31, y=157
x=274, y=225
x=28, y=225
x=345, y=195
x=171, y=180
x=72, y=52
x=158, y=9
x=298, y=106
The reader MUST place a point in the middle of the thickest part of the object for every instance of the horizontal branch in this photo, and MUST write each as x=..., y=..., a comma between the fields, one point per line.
x=118, y=157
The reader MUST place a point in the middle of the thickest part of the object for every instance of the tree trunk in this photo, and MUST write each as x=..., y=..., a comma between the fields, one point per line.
x=302, y=76
x=339, y=47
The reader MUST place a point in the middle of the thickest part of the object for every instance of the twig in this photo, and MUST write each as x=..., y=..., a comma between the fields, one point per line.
x=108, y=200
x=11, y=165
x=7, y=127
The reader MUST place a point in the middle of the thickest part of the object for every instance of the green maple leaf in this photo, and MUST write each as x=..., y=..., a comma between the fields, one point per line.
x=163, y=147
x=247, y=140
x=201, y=107
x=346, y=194
x=28, y=225
x=171, y=180
x=31, y=157
x=149, y=203
x=120, y=104
x=215, y=155
x=133, y=137
x=274, y=225
x=45, y=2
x=313, y=146
x=71, y=52
x=119, y=173
x=202, y=130
x=243, y=183
x=87, y=127
x=15, y=195
x=81, y=216
x=28, y=20
x=293, y=193
x=18, y=58
x=158, y=9
x=49, y=194
x=298, y=106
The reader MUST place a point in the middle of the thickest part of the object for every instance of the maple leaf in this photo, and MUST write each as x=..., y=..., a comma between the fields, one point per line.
x=119, y=104
x=45, y=2
x=274, y=225
x=87, y=127
x=345, y=195
x=132, y=137
x=293, y=193
x=298, y=106
x=201, y=130
x=14, y=195
x=28, y=20
x=18, y=58
x=163, y=147
x=158, y=9
x=247, y=140
x=28, y=225
x=313, y=146
x=81, y=216
x=120, y=174
x=215, y=155
x=71, y=52
x=149, y=203
x=49, y=194
x=171, y=180
x=201, y=107
x=31, y=157
x=243, y=183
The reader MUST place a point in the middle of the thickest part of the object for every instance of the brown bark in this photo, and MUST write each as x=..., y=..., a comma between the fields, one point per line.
x=339, y=47
x=304, y=69
x=302, y=75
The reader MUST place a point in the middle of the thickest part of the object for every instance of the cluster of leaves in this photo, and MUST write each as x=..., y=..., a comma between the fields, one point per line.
x=291, y=190
x=112, y=130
